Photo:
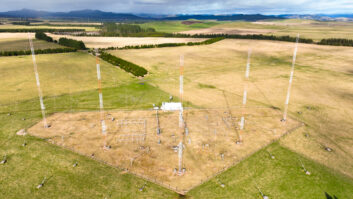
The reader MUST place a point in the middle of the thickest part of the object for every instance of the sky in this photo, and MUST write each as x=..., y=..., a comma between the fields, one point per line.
x=188, y=6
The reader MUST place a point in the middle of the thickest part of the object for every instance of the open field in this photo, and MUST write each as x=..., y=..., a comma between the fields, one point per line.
x=59, y=74
x=10, y=26
x=23, y=44
x=17, y=35
x=321, y=93
x=213, y=79
x=105, y=42
x=134, y=141
x=281, y=177
x=228, y=31
x=177, y=26
x=307, y=28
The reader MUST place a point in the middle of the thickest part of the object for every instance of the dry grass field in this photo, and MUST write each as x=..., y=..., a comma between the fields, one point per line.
x=59, y=74
x=134, y=141
x=310, y=29
x=10, y=26
x=6, y=35
x=321, y=93
x=229, y=31
x=23, y=44
x=105, y=42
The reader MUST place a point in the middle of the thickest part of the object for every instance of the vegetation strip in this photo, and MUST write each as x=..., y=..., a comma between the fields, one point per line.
x=132, y=68
x=336, y=42
x=79, y=45
x=38, y=51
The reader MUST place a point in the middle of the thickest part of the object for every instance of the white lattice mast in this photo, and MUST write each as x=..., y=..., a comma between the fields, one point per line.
x=181, y=91
x=40, y=94
x=290, y=80
x=180, y=156
x=101, y=106
x=247, y=74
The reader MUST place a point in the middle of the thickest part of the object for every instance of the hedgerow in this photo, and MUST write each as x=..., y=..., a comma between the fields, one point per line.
x=123, y=64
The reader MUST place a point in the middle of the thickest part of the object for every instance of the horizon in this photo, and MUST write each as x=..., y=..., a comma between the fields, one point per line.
x=183, y=7
x=170, y=14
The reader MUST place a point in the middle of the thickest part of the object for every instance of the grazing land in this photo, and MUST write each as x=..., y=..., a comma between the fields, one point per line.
x=310, y=29
x=210, y=144
x=8, y=26
x=177, y=26
x=105, y=42
x=273, y=156
x=321, y=90
x=75, y=72
x=23, y=44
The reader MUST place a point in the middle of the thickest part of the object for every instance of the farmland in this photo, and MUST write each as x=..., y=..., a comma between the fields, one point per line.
x=269, y=79
x=308, y=28
x=105, y=42
x=220, y=159
x=10, y=26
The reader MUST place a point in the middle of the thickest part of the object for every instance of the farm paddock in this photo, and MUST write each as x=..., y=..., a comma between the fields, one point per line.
x=210, y=146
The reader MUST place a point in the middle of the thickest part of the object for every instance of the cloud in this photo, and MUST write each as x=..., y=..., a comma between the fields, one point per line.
x=187, y=6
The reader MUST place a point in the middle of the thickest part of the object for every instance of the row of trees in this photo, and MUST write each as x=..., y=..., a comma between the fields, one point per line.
x=79, y=45
x=206, y=42
x=24, y=23
x=113, y=29
x=132, y=68
x=39, y=51
x=43, y=36
x=249, y=36
x=336, y=42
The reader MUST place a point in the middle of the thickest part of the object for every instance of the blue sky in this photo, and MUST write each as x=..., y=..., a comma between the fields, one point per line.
x=188, y=6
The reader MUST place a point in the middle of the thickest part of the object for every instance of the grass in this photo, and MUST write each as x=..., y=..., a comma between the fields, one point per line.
x=105, y=42
x=23, y=44
x=177, y=26
x=27, y=166
x=323, y=78
x=58, y=73
x=281, y=177
x=310, y=29
x=206, y=86
x=8, y=26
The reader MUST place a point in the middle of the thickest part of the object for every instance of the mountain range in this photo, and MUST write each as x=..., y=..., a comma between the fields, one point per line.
x=97, y=15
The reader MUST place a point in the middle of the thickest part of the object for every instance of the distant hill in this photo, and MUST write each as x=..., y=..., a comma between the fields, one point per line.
x=100, y=15
x=254, y=17
x=79, y=14
x=321, y=17
x=97, y=15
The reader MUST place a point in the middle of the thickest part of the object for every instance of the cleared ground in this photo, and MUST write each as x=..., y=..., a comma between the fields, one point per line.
x=177, y=26
x=321, y=93
x=310, y=29
x=105, y=42
x=10, y=26
x=5, y=35
x=229, y=31
x=134, y=141
x=23, y=44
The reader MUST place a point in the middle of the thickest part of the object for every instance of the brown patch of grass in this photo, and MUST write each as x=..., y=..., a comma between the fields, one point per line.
x=211, y=132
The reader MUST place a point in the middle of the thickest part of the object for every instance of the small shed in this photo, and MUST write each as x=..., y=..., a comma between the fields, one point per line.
x=171, y=106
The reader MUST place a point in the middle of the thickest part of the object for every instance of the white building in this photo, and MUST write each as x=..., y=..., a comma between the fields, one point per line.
x=171, y=106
